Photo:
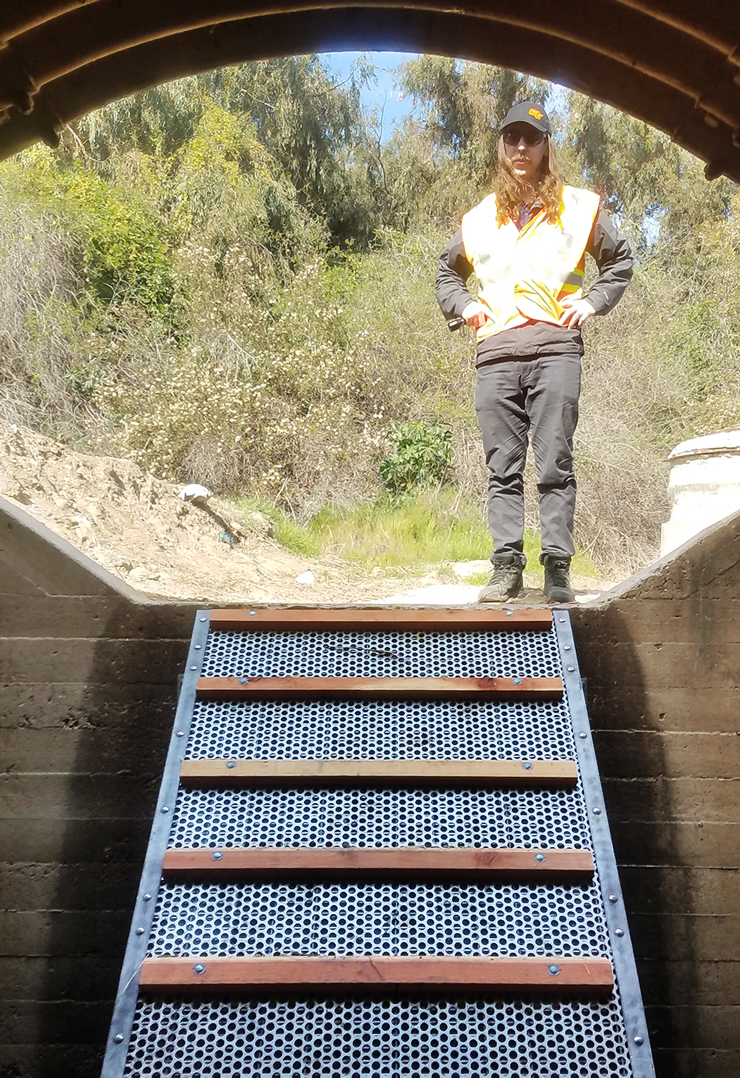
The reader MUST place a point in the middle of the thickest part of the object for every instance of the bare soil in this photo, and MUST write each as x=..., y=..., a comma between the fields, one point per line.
x=140, y=530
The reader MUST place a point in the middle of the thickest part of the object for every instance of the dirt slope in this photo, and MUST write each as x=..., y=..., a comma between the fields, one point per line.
x=141, y=531
x=138, y=528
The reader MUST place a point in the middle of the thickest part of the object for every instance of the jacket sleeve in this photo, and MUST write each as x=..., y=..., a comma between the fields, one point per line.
x=454, y=270
x=612, y=254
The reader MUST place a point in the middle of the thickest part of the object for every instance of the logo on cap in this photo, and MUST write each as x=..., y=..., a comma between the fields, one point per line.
x=536, y=113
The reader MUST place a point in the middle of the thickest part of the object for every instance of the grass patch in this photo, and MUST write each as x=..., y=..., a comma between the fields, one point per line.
x=289, y=534
x=428, y=527
x=432, y=527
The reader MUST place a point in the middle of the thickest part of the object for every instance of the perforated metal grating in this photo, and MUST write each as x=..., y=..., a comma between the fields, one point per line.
x=402, y=1038
x=387, y=654
x=387, y=1039
x=379, y=818
x=377, y=730
x=391, y=919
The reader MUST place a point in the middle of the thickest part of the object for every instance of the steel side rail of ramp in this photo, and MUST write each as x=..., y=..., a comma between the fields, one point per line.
x=380, y=849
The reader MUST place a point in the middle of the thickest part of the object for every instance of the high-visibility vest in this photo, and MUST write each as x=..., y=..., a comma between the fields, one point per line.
x=524, y=274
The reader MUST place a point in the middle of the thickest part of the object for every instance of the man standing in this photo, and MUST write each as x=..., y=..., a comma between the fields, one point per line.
x=526, y=244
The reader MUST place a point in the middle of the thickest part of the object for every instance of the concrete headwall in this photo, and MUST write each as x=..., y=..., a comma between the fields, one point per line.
x=662, y=661
x=88, y=676
x=88, y=672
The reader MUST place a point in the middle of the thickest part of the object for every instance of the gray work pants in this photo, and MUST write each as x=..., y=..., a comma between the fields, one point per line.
x=538, y=396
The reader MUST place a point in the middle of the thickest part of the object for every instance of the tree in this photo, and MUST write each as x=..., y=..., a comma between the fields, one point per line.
x=642, y=175
x=443, y=160
x=312, y=126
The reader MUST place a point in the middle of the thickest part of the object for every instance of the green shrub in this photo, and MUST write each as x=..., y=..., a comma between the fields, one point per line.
x=121, y=244
x=126, y=254
x=421, y=456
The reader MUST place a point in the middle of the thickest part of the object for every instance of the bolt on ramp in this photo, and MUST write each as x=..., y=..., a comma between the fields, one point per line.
x=380, y=849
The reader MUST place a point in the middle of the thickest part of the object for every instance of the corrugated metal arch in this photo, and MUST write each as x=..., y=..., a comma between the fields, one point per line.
x=667, y=62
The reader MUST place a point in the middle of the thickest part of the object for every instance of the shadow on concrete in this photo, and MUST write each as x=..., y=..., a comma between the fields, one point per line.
x=95, y=680
x=639, y=807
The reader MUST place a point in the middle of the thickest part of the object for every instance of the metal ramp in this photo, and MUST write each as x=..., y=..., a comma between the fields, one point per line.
x=380, y=849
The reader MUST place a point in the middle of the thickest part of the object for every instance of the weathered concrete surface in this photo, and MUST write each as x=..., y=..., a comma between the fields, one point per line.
x=661, y=655
x=88, y=670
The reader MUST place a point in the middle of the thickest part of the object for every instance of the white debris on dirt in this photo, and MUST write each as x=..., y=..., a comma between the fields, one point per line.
x=193, y=491
x=141, y=529
x=436, y=595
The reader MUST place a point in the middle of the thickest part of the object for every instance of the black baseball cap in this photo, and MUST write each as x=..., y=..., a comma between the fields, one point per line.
x=528, y=112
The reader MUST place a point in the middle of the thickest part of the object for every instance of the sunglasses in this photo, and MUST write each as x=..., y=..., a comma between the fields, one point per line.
x=529, y=137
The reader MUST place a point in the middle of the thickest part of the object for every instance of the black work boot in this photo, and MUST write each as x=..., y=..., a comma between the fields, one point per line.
x=507, y=580
x=557, y=578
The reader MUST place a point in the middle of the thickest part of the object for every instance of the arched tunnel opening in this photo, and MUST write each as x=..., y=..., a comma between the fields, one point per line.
x=664, y=63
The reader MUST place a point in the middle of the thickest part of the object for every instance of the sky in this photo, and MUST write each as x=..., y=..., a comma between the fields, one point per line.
x=386, y=97
x=383, y=96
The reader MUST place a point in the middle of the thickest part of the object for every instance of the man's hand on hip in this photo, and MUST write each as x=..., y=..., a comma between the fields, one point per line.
x=475, y=315
x=576, y=312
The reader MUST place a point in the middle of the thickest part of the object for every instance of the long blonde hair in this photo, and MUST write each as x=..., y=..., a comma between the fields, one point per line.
x=511, y=191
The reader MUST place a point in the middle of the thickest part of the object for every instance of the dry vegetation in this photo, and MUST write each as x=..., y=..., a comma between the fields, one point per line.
x=244, y=298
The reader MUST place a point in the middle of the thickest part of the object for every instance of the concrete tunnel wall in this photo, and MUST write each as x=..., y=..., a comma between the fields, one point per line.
x=88, y=675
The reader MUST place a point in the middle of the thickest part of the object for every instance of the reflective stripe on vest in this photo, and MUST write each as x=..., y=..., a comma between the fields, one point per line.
x=524, y=275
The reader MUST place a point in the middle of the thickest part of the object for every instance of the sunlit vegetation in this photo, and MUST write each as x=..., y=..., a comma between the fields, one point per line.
x=231, y=280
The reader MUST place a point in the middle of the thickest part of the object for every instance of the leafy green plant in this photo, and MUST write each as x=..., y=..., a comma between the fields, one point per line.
x=126, y=253
x=421, y=456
